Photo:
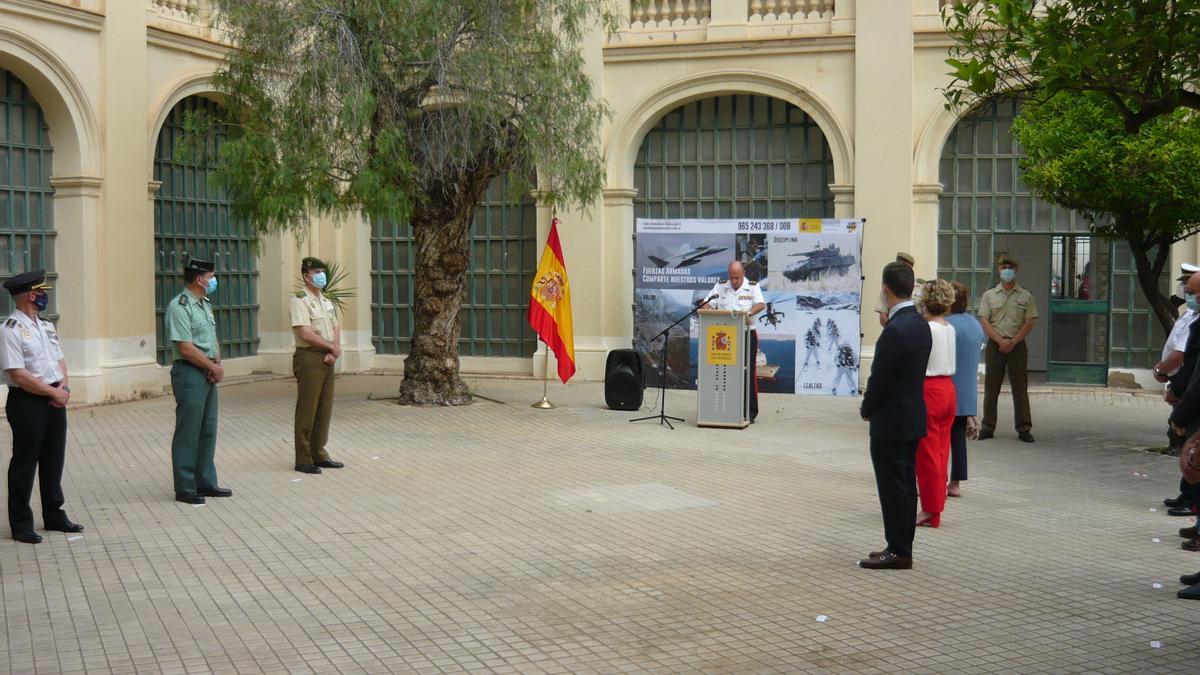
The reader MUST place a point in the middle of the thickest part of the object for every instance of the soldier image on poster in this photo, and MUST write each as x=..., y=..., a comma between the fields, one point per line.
x=847, y=369
x=833, y=335
x=752, y=253
x=812, y=345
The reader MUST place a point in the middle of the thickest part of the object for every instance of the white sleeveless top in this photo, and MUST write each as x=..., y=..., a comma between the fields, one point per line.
x=941, y=356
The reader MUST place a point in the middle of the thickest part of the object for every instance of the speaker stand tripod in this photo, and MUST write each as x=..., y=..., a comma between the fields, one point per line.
x=662, y=416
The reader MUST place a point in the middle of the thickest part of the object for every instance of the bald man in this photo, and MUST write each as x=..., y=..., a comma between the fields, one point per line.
x=735, y=292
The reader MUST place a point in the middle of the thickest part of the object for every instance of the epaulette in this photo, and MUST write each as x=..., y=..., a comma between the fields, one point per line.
x=723, y=281
x=300, y=294
x=182, y=300
x=753, y=283
x=11, y=323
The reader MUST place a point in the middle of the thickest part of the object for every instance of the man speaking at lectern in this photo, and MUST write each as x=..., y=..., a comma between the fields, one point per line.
x=737, y=293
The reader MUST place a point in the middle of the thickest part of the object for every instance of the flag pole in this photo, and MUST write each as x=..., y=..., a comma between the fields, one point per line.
x=545, y=403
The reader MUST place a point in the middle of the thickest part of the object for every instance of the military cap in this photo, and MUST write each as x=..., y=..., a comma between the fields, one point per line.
x=27, y=281
x=1186, y=270
x=311, y=263
x=1006, y=259
x=199, y=265
x=905, y=258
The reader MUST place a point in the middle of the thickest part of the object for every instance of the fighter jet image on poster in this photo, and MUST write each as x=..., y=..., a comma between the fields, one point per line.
x=686, y=256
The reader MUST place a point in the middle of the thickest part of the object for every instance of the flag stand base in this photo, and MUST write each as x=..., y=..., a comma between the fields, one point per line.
x=545, y=403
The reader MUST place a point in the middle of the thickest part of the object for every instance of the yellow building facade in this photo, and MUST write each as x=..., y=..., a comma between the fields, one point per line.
x=721, y=108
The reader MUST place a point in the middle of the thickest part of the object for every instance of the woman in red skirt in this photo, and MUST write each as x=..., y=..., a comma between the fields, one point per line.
x=933, y=452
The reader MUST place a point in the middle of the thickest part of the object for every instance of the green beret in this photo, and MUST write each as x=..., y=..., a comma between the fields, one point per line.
x=311, y=263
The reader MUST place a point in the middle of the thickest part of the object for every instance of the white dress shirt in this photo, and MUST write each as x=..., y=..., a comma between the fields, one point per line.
x=941, y=355
x=31, y=344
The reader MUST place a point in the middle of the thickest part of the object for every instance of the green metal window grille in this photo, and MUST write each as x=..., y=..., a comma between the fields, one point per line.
x=1135, y=336
x=735, y=156
x=504, y=257
x=982, y=195
x=192, y=216
x=26, y=198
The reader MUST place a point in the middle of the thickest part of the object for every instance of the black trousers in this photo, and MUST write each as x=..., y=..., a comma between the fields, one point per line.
x=896, y=479
x=39, y=446
x=753, y=374
x=958, y=448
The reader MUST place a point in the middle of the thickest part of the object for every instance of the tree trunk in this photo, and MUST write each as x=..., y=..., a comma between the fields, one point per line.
x=431, y=374
x=441, y=226
x=1148, y=273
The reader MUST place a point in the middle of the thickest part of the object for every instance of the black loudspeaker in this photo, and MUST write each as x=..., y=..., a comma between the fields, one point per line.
x=624, y=380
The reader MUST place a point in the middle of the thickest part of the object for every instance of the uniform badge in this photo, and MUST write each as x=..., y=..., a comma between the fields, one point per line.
x=25, y=334
x=182, y=301
x=11, y=323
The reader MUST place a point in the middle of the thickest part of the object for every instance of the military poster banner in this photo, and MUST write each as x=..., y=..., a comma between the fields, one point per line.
x=810, y=273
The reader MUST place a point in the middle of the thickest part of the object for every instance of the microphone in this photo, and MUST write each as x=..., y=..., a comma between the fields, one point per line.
x=707, y=300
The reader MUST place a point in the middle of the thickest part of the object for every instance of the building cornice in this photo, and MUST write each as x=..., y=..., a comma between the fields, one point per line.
x=81, y=185
x=187, y=43
x=75, y=17
x=670, y=51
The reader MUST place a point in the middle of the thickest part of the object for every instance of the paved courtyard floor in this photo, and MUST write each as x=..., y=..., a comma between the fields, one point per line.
x=496, y=537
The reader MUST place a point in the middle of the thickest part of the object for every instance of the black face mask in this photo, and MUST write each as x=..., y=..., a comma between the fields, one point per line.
x=41, y=301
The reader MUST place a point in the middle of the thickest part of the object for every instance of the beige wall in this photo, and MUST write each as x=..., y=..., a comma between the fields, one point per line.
x=107, y=73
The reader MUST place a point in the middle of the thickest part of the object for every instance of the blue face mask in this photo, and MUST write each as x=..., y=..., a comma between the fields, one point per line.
x=41, y=301
x=1193, y=302
x=319, y=280
x=1008, y=274
x=212, y=285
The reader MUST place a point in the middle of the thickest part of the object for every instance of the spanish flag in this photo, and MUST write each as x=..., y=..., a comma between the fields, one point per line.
x=550, y=305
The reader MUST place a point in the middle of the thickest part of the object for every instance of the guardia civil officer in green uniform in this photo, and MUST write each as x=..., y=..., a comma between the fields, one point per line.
x=192, y=330
x=318, y=346
x=1006, y=313
x=35, y=371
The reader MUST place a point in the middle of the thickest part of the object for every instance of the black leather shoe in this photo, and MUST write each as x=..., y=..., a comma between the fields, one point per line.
x=1190, y=579
x=189, y=498
x=216, y=492
x=887, y=561
x=65, y=526
x=1188, y=532
x=984, y=435
x=1025, y=437
x=329, y=464
x=308, y=468
x=28, y=537
x=1190, y=593
x=1172, y=502
x=1182, y=511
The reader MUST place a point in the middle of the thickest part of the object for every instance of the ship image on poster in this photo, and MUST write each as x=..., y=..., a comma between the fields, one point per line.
x=809, y=334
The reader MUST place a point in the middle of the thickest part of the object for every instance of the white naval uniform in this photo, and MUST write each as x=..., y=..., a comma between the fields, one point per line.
x=31, y=344
x=742, y=298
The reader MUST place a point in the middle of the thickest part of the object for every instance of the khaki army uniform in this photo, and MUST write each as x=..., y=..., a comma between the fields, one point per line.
x=1006, y=311
x=314, y=377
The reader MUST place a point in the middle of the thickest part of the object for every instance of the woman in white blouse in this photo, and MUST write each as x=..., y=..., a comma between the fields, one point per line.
x=933, y=452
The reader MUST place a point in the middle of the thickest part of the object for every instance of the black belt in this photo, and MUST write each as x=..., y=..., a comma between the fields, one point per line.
x=13, y=387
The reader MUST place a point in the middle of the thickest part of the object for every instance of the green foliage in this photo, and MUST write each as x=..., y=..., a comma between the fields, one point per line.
x=336, y=276
x=374, y=105
x=1142, y=55
x=1078, y=155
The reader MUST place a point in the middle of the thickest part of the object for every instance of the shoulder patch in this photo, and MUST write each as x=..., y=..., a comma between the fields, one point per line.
x=11, y=323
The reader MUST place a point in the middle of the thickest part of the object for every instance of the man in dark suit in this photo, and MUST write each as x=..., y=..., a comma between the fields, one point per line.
x=894, y=404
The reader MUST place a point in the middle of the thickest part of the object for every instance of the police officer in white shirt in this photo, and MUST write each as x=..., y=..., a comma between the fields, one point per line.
x=36, y=374
x=738, y=293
